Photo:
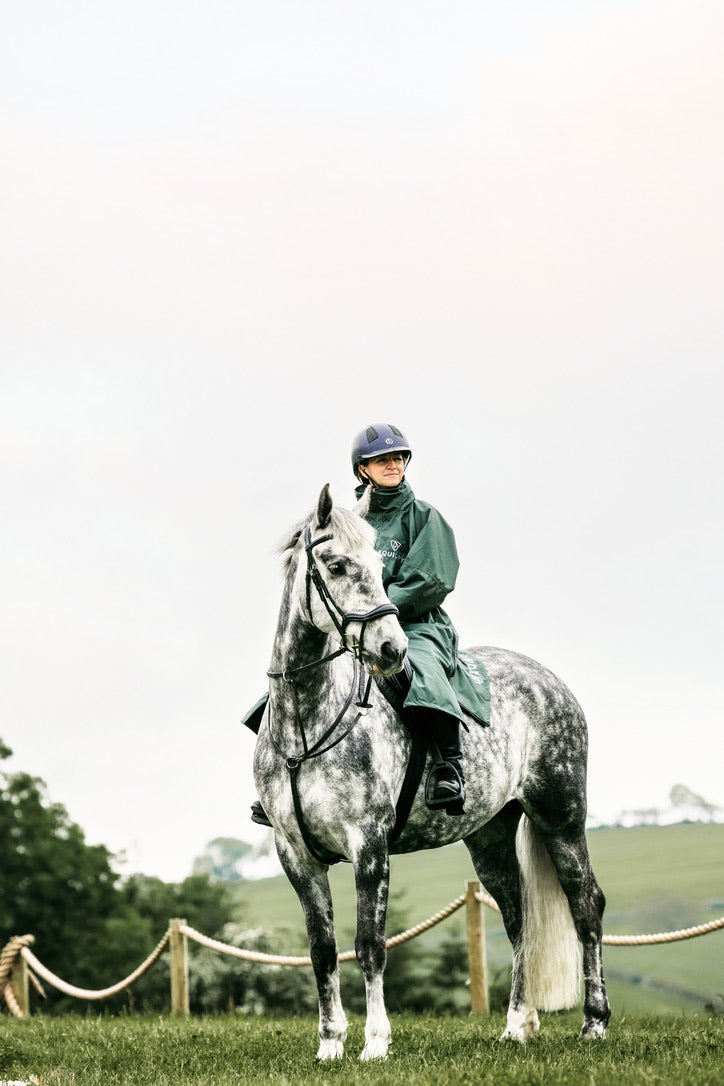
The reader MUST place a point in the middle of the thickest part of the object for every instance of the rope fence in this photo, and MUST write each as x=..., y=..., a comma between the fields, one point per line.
x=20, y=968
x=345, y=956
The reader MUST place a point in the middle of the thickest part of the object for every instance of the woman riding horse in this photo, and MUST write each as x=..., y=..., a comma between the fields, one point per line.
x=331, y=766
x=420, y=567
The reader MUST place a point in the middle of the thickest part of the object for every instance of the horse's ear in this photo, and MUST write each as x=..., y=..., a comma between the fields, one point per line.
x=324, y=507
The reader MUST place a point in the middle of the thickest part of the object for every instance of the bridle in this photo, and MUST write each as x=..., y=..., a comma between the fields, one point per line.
x=341, y=620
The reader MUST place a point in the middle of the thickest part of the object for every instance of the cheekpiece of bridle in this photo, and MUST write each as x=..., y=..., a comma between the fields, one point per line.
x=340, y=618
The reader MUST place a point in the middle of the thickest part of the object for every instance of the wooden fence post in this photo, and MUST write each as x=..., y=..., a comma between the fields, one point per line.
x=179, y=968
x=20, y=984
x=477, y=962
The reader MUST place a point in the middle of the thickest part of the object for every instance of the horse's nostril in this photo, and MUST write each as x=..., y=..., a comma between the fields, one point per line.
x=390, y=653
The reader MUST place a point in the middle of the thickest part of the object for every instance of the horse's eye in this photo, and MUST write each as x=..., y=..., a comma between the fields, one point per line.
x=336, y=567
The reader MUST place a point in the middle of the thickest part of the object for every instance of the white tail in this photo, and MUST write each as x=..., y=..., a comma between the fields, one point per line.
x=551, y=950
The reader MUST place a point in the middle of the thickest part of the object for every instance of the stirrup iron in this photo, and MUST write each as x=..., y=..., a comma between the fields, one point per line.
x=453, y=803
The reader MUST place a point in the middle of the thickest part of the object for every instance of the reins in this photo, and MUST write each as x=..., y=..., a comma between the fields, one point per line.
x=293, y=761
x=341, y=621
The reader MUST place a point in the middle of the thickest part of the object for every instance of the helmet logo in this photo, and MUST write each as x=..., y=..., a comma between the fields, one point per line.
x=389, y=441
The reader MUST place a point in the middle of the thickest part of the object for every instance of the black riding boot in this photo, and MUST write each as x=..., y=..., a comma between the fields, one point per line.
x=445, y=787
x=259, y=815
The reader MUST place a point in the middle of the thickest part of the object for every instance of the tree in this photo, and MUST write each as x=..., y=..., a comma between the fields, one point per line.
x=681, y=796
x=223, y=859
x=89, y=929
x=206, y=906
x=231, y=859
x=52, y=884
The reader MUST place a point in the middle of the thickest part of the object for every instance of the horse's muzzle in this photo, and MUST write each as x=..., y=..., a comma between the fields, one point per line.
x=389, y=659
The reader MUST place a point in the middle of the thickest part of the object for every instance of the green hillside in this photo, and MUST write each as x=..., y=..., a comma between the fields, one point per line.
x=656, y=879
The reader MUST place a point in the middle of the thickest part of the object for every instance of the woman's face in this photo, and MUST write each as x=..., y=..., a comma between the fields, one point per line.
x=384, y=471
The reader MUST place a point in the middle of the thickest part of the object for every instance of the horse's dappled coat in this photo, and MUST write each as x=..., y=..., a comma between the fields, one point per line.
x=524, y=820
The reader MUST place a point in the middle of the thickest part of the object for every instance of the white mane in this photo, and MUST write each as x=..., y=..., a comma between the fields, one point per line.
x=349, y=529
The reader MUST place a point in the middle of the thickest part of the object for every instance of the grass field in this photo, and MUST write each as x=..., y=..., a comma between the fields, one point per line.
x=655, y=879
x=101, y=1051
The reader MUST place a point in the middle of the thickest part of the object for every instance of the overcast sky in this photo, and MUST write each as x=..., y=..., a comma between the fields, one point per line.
x=233, y=234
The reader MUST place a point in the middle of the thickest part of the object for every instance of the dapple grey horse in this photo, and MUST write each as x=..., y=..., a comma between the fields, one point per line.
x=329, y=765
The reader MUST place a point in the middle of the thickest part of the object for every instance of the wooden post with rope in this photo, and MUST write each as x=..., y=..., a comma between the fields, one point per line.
x=477, y=963
x=20, y=984
x=179, y=968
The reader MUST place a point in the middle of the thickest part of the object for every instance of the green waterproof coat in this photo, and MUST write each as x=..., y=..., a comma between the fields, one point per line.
x=420, y=567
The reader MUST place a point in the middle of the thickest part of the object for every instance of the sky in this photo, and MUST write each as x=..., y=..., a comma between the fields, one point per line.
x=234, y=234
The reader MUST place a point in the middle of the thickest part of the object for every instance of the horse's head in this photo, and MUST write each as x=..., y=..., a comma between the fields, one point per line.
x=339, y=582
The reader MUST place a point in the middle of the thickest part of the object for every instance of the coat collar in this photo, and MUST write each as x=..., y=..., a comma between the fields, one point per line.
x=388, y=499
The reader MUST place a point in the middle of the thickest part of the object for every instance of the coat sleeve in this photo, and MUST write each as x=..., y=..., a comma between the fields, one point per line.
x=429, y=571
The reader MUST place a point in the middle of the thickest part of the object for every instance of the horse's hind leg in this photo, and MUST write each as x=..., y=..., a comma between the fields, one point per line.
x=312, y=887
x=569, y=852
x=493, y=852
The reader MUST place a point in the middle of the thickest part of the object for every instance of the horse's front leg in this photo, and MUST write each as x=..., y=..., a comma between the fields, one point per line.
x=311, y=884
x=372, y=878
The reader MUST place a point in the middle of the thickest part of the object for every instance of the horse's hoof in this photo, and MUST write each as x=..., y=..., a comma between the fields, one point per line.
x=521, y=1026
x=514, y=1035
x=330, y=1050
x=593, y=1030
x=375, y=1049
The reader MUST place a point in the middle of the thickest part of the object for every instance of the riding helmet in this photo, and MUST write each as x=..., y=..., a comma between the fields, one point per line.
x=376, y=441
